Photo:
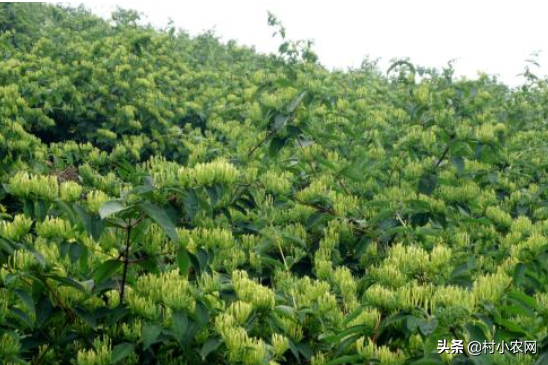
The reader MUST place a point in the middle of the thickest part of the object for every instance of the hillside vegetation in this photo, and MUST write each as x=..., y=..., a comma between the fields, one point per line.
x=168, y=199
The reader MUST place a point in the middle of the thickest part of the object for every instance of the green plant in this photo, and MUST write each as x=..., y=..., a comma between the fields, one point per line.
x=170, y=199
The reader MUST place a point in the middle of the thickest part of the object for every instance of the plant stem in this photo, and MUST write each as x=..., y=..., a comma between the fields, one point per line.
x=126, y=263
x=443, y=155
x=445, y=151
x=394, y=169
x=254, y=148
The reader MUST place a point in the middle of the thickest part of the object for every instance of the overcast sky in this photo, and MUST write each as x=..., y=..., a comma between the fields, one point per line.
x=492, y=36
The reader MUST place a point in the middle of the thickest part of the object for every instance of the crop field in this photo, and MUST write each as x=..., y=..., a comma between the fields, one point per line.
x=168, y=199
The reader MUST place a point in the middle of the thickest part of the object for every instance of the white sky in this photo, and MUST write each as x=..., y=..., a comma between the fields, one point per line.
x=482, y=35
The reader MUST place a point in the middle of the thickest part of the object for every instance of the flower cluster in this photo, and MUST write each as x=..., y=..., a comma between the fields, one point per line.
x=26, y=186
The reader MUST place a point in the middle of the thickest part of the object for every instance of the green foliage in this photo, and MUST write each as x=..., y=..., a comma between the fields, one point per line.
x=167, y=199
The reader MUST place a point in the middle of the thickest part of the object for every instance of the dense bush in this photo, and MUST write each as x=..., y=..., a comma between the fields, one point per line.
x=174, y=200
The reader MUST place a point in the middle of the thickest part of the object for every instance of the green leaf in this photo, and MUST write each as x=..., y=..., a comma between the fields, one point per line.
x=297, y=240
x=142, y=190
x=460, y=148
x=111, y=207
x=542, y=359
x=44, y=310
x=428, y=183
x=458, y=161
x=93, y=224
x=161, y=218
x=75, y=251
x=106, y=270
x=276, y=144
x=191, y=203
x=202, y=313
x=428, y=327
x=294, y=132
x=359, y=329
x=40, y=210
x=476, y=332
x=353, y=171
x=412, y=323
x=195, y=263
x=523, y=299
x=183, y=261
x=116, y=222
x=86, y=315
x=150, y=333
x=68, y=211
x=26, y=298
x=150, y=264
x=315, y=219
x=519, y=273
x=203, y=257
x=139, y=232
x=295, y=102
x=348, y=359
x=179, y=325
x=511, y=326
x=121, y=351
x=22, y=316
x=305, y=350
x=66, y=281
x=215, y=193
x=40, y=258
x=208, y=347
x=286, y=310
x=280, y=121
x=325, y=162
x=294, y=350
x=7, y=246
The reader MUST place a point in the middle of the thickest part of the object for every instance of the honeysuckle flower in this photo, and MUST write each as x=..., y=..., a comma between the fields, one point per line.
x=25, y=185
x=17, y=228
